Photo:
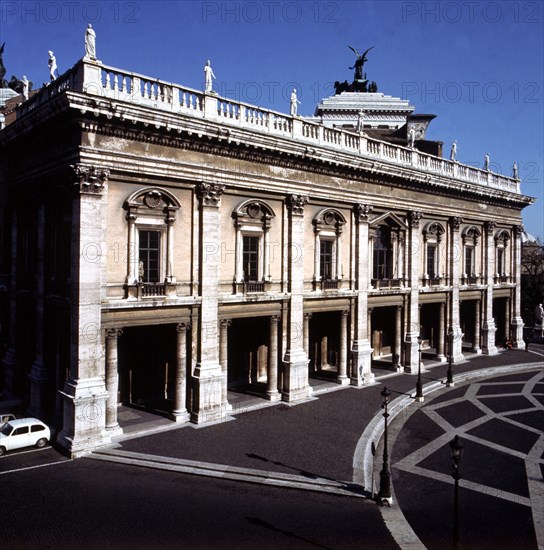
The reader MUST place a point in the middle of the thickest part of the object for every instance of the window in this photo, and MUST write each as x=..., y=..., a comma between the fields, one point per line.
x=432, y=257
x=36, y=428
x=21, y=431
x=326, y=258
x=382, y=253
x=149, y=256
x=469, y=261
x=500, y=261
x=251, y=258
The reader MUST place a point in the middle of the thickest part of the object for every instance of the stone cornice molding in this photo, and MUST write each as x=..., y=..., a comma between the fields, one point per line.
x=91, y=179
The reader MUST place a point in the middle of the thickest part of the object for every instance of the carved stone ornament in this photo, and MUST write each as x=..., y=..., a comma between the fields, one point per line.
x=209, y=194
x=296, y=204
x=455, y=222
x=91, y=179
x=152, y=199
x=414, y=216
x=113, y=333
x=362, y=212
x=518, y=230
x=489, y=226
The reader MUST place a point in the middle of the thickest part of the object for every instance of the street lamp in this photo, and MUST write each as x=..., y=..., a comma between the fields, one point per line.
x=449, y=380
x=384, y=496
x=419, y=386
x=456, y=448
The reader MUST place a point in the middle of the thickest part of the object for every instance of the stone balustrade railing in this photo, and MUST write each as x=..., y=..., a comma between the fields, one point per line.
x=98, y=79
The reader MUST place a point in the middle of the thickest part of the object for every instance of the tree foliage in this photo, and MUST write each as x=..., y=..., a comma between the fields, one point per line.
x=532, y=279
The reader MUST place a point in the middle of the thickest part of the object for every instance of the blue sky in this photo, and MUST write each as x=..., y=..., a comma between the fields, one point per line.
x=477, y=65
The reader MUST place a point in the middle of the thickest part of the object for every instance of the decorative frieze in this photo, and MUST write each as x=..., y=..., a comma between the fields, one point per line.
x=91, y=179
x=209, y=194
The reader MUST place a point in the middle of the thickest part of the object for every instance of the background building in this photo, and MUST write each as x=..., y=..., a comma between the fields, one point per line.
x=162, y=245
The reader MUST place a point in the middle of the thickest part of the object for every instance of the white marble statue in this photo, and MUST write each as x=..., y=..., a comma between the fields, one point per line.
x=25, y=82
x=411, y=138
x=294, y=102
x=208, y=75
x=52, y=64
x=90, y=42
x=453, y=152
x=360, y=121
x=486, y=162
x=539, y=315
x=515, y=174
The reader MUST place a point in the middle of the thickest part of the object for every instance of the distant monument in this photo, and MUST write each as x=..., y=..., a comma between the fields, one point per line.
x=360, y=82
x=90, y=43
x=22, y=86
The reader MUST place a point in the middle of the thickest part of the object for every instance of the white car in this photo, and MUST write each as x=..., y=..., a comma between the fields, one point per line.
x=24, y=432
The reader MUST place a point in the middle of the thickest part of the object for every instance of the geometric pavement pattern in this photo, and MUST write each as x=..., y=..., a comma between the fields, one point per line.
x=503, y=420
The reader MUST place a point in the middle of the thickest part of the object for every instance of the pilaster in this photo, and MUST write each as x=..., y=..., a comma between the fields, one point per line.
x=517, y=321
x=454, y=261
x=84, y=420
x=112, y=380
x=488, y=326
x=361, y=350
x=295, y=361
x=208, y=375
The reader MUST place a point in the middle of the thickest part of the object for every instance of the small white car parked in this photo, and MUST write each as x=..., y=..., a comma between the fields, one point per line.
x=24, y=432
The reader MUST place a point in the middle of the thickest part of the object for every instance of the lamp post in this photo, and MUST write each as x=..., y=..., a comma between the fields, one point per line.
x=419, y=386
x=456, y=448
x=384, y=495
x=449, y=380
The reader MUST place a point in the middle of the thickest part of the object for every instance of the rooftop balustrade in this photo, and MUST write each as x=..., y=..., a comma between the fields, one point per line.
x=99, y=80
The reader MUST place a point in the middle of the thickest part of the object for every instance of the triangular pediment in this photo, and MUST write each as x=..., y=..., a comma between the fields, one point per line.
x=388, y=218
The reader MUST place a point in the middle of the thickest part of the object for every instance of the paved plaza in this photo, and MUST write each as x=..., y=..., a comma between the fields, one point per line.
x=301, y=476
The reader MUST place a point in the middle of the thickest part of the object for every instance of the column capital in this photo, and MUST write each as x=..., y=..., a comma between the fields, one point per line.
x=209, y=194
x=489, y=226
x=91, y=179
x=362, y=212
x=113, y=333
x=414, y=216
x=518, y=230
x=296, y=204
x=308, y=316
x=275, y=318
x=455, y=222
x=344, y=313
x=183, y=327
x=225, y=323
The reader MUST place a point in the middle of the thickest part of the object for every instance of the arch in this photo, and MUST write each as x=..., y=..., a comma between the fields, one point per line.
x=153, y=198
x=329, y=217
x=433, y=229
x=253, y=209
x=502, y=236
x=471, y=232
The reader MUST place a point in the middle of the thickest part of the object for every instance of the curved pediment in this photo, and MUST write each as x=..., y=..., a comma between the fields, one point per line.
x=152, y=198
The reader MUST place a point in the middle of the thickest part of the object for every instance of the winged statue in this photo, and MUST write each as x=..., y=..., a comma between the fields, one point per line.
x=361, y=60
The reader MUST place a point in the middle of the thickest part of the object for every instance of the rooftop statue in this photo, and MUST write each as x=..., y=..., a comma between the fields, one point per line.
x=3, y=83
x=208, y=75
x=52, y=64
x=359, y=64
x=90, y=42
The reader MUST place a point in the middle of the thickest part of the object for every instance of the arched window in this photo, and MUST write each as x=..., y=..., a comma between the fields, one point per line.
x=501, y=262
x=252, y=220
x=328, y=226
x=432, y=237
x=151, y=214
x=471, y=237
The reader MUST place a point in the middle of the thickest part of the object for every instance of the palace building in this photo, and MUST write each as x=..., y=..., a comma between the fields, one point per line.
x=163, y=246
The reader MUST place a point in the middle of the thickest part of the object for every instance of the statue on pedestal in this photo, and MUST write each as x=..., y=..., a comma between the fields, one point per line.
x=294, y=102
x=486, y=162
x=90, y=42
x=208, y=75
x=26, y=84
x=515, y=174
x=453, y=152
x=359, y=64
x=52, y=64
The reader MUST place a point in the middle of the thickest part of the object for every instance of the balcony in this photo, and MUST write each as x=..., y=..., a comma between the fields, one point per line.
x=471, y=280
x=142, y=291
x=501, y=279
x=251, y=287
x=386, y=284
x=95, y=79
x=327, y=284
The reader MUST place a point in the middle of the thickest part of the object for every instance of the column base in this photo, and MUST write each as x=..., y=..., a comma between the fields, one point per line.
x=114, y=431
x=342, y=380
x=476, y=350
x=273, y=396
x=441, y=358
x=296, y=385
x=179, y=416
x=207, y=398
x=399, y=369
x=84, y=420
x=361, y=373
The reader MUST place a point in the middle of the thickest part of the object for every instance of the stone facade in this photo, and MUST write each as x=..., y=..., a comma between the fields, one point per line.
x=164, y=245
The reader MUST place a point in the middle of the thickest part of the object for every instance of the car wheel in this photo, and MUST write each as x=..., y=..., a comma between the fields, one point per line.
x=2, y=450
x=41, y=443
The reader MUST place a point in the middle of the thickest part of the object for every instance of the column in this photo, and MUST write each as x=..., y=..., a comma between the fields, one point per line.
x=39, y=375
x=180, y=413
x=477, y=327
x=85, y=392
x=208, y=375
x=317, y=255
x=507, y=318
x=306, y=333
x=295, y=361
x=112, y=380
x=239, y=256
x=132, y=255
x=517, y=321
x=412, y=330
x=272, y=392
x=338, y=255
x=342, y=377
x=224, y=360
x=454, y=261
x=361, y=350
x=398, y=340
x=170, y=219
x=441, y=333
x=488, y=326
x=12, y=361
x=266, y=250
